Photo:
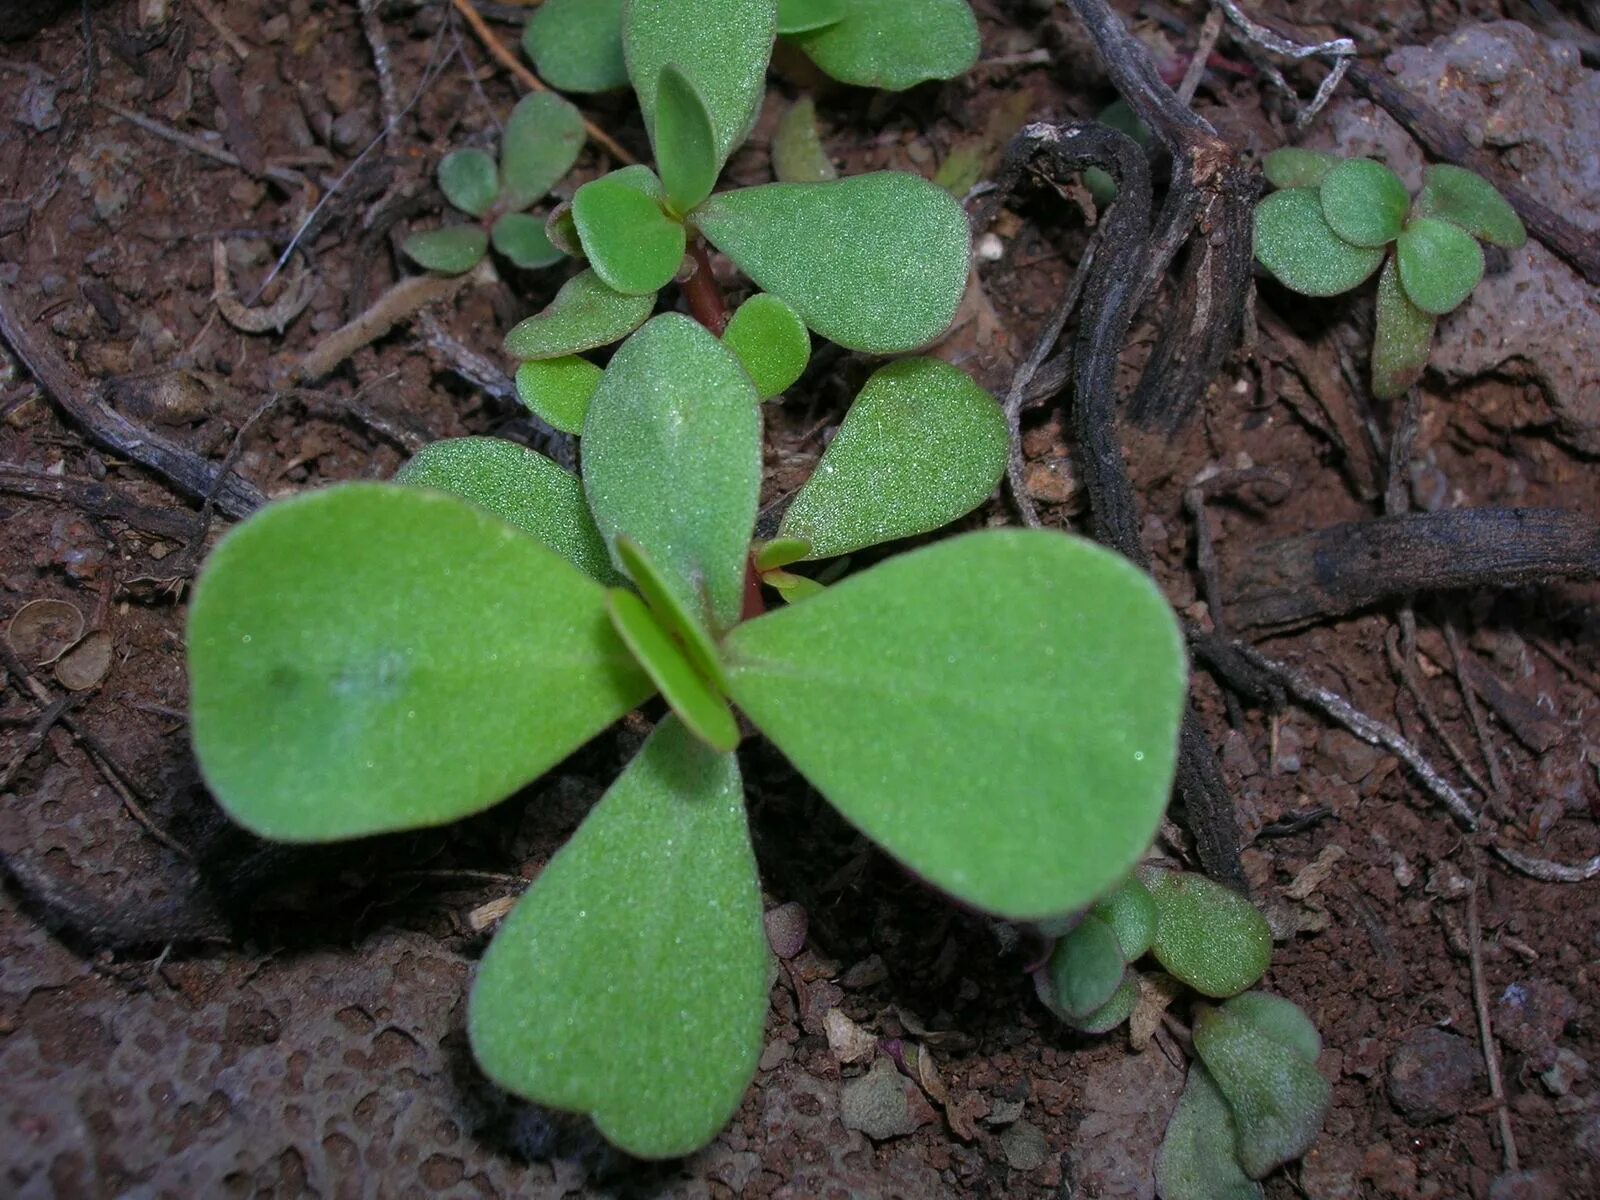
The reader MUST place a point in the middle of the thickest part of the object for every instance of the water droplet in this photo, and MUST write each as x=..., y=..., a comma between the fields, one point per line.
x=245, y=639
x=1138, y=756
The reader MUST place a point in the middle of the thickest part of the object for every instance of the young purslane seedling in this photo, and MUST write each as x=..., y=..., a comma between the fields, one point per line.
x=1331, y=224
x=541, y=141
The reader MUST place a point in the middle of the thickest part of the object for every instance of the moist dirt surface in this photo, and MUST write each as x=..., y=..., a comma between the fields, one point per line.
x=186, y=1012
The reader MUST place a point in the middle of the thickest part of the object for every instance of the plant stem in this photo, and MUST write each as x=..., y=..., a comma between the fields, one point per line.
x=701, y=290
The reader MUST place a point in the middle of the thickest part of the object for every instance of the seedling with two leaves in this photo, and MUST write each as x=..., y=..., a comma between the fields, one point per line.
x=1333, y=221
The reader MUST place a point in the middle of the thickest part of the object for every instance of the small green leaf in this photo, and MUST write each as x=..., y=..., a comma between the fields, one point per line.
x=895, y=44
x=542, y=139
x=450, y=251
x=1401, y=339
x=1440, y=264
x=558, y=390
x=576, y=45
x=922, y=445
x=1198, y=1160
x=1086, y=968
x=371, y=658
x=521, y=238
x=469, y=180
x=999, y=711
x=797, y=153
x=672, y=459
x=798, y=16
x=562, y=230
x=1364, y=202
x=793, y=588
x=1295, y=243
x=630, y=242
x=1131, y=913
x=585, y=315
x=686, y=147
x=1467, y=199
x=780, y=552
x=771, y=341
x=520, y=486
x=1114, y=1011
x=677, y=620
x=874, y=262
x=631, y=981
x=1211, y=938
x=1280, y=1019
x=1292, y=167
x=699, y=707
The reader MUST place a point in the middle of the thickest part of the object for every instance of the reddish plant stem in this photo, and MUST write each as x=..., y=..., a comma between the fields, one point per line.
x=701, y=291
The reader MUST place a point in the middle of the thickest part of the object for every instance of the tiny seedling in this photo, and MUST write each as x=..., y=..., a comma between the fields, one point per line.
x=1333, y=221
x=541, y=141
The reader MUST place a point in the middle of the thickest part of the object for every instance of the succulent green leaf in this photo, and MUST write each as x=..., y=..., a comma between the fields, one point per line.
x=678, y=621
x=1086, y=968
x=922, y=445
x=1198, y=1160
x=521, y=238
x=1277, y=1097
x=721, y=46
x=798, y=16
x=771, y=341
x=585, y=314
x=562, y=230
x=1208, y=936
x=469, y=180
x=344, y=645
x=999, y=711
x=780, y=552
x=672, y=459
x=558, y=390
x=686, y=146
x=631, y=981
x=629, y=240
x=1114, y=1011
x=576, y=45
x=450, y=251
x=895, y=44
x=1401, y=339
x=1467, y=199
x=703, y=712
x=1364, y=202
x=874, y=262
x=797, y=153
x=1440, y=264
x=543, y=138
x=1131, y=913
x=792, y=587
x=1295, y=243
x=1292, y=167
x=518, y=485
x=1280, y=1019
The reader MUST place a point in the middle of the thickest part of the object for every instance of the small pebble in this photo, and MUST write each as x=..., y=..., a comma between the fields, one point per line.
x=1434, y=1075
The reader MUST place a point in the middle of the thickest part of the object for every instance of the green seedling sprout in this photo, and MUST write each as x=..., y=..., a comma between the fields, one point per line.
x=1333, y=222
x=541, y=141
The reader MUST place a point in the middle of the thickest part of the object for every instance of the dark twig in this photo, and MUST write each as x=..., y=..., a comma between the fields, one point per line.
x=35, y=739
x=97, y=499
x=1501, y=793
x=1480, y=1003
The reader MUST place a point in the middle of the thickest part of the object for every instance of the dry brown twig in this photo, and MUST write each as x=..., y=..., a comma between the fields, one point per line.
x=1480, y=1002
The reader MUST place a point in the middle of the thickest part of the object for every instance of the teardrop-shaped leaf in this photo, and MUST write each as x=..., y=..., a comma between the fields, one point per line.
x=469, y=180
x=779, y=552
x=895, y=44
x=1294, y=241
x=371, y=658
x=542, y=139
x=797, y=153
x=562, y=230
x=692, y=636
x=1086, y=968
x=1401, y=338
x=1364, y=202
x=874, y=262
x=1208, y=936
x=686, y=147
x=1198, y=1160
x=771, y=341
x=1467, y=199
x=576, y=45
x=721, y=46
x=518, y=485
x=1277, y=1098
x=1440, y=264
x=558, y=390
x=792, y=587
x=450, y=251
x=1114, y=1011
x=1280, y=1019
x=1292, y=167
x=797, y=16
x=630, y=982
x=630, y=242
x=922, y=445
x=584, y=315
x=701, y=709
x=521, y=238
x=672, y=459
x=1130, y=911
x=999, y=711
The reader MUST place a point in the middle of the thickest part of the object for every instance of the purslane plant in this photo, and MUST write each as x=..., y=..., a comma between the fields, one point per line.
x=1331, y=225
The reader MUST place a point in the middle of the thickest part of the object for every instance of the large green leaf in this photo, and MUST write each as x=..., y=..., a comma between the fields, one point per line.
x=771, y=341
x=450, y=251
x=895, y=44
x=1208, y=936
x=630, y=241
x=630, y=982
x=1364, y=202
x=1469, y=200
x=1401, y=338
x=1197, y=1159
x=797, y=16
x=584, y=315
x=922, y=445
x=1294, y=242
x=576, y=45
x=721, y=46
x=999, y=711
x=1292, y=167
x=558, y=390
x=686, y=146
x=672, y=460
x=875, y=262
x=469, y=180
x=371, y=658
x=542, y=139
x=1440, y=264
x=518, y=485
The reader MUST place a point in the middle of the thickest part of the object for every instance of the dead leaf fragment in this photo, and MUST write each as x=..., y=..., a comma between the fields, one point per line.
x=43, y=630
x=87, y=663
x=928, y=1075
x=882, y=1103
x=964, y=1115
x=1024, y=1146
x=847, y=1041
x=1157, y=991
x=1315, y=874
x=276, y=316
